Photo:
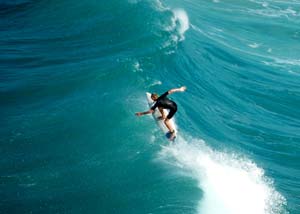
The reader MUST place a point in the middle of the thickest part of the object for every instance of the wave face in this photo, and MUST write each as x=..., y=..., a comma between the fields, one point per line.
x=73, y=73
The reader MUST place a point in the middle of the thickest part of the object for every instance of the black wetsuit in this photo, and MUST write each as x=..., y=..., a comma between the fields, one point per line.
x=164, y=102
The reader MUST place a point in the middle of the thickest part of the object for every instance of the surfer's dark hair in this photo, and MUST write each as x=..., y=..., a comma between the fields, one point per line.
x=154, y=95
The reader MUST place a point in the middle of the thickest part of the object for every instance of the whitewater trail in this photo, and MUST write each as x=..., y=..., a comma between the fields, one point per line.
x=231, y=184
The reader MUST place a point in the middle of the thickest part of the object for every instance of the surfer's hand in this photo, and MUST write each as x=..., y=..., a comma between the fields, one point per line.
x=183, y=88
x=138, y=114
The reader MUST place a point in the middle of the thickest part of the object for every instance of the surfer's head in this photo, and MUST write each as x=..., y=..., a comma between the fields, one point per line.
x=154, y=96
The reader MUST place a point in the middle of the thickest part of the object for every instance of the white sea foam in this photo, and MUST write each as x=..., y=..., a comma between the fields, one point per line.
x=137, y=67
x=231, y=184
x=254, y=45
x=176, y=28
x=156, y=82
x=279, y=61
x=159, y=5
x=181, y=17
x=265, y=4
x=179, y=22
x=275, y=12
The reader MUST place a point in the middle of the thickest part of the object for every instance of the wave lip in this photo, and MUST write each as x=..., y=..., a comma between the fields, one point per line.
x=176, y=28
x=231, y=184
x=181, y=17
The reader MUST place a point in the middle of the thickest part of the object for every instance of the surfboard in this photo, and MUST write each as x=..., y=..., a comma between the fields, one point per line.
x=159, y=122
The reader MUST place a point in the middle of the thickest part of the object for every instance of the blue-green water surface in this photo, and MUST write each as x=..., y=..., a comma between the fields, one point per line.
x=73, y=73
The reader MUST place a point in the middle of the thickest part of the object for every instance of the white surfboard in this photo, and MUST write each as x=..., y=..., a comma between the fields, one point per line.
x=157, y=114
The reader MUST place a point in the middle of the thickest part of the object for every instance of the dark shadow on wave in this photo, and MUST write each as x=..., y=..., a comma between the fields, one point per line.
x=13, y=6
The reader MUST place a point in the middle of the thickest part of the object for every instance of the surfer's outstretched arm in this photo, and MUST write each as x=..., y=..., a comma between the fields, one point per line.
x=150, y=111
x=181, y=89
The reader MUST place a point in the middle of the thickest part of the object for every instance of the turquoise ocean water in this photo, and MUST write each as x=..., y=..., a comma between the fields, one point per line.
x=73, y=73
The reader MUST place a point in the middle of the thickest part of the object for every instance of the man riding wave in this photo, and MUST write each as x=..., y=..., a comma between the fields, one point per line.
x=162, y=102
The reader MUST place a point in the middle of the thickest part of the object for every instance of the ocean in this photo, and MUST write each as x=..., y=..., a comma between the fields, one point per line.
x=74, y=73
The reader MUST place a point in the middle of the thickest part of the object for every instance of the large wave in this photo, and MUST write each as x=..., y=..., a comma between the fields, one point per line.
x=231, y=184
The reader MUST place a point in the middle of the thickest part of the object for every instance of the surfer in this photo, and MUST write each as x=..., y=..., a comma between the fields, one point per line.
x=162, y=102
